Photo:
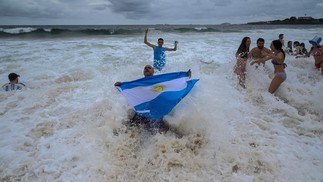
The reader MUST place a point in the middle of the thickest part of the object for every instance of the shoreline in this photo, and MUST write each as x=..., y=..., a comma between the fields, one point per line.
x=305, y=20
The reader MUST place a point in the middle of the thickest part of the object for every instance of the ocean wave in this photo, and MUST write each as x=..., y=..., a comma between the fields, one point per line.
x=197, y=29
x=70, y=31
x=19, y=30
x=55, y=32
x=48, y=31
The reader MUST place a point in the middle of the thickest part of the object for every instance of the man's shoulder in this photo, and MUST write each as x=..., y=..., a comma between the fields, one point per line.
x=255, y=49
x=6, y=87
x=21, y=84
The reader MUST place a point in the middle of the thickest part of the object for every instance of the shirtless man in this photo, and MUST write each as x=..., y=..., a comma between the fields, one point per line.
x=257, y=52
x=281, y=39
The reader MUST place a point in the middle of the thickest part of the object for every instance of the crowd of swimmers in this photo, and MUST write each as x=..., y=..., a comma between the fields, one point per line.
x=258, y=55
x=276, y=53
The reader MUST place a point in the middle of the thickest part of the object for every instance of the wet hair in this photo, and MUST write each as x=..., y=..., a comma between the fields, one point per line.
x=243, y=48
x=281, y=35
x=261, y=40
x=161, y=39
x=296, y=43
x=278, y=45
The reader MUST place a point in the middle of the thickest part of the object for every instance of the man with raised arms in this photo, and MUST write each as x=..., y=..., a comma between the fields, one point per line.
x=159, y=52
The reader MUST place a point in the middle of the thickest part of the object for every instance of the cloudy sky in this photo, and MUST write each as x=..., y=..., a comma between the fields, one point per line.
x=89, y=12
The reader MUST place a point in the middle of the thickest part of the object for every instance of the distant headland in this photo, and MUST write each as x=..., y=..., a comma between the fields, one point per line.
x=303, y=20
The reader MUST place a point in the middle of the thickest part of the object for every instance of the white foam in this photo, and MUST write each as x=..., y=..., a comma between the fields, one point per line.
x=19, y=30
x=67, y=126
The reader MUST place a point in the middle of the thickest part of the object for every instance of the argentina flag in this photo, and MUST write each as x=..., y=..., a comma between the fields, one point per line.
x=155, y=96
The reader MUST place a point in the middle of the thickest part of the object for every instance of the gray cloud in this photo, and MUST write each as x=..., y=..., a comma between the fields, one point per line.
x=155, y=11
x=131, y=8
x=29, y=8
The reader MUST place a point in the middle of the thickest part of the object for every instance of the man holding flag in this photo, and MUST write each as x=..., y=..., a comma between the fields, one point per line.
x=152, y=97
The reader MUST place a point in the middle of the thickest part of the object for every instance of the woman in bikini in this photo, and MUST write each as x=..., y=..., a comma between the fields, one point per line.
x=317, y=52
x=242, y=57
x=277, y=56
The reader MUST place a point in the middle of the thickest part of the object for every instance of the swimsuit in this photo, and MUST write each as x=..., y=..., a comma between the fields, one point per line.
x=159, y=58
x=318, y=53
x=240, y=65
x=318, y=65
x=282, y=74
x=276, y=63
x=244, y=54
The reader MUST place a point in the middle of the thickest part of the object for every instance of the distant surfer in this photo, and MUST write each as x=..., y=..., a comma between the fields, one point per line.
x=159, y=52
x=14, y=83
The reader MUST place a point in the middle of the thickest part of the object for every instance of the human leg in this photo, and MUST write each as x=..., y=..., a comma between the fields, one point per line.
x=240, y=70
x=275, y=83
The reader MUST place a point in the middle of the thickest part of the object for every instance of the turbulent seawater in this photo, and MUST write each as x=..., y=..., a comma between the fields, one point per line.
x=68, y=124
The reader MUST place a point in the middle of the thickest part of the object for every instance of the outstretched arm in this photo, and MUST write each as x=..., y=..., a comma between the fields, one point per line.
x=269, y=55
x=173, y=49
x=308, y=54
x=261, y=60
x=145, y=40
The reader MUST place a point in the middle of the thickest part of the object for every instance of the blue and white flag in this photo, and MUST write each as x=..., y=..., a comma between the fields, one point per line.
x=155, y=96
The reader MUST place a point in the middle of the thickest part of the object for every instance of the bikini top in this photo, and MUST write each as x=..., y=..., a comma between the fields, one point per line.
x=244, y=54
x=276, y=63
x=317, y=53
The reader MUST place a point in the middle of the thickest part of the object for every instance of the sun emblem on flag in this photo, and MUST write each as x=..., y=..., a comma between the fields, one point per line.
x=158, y=88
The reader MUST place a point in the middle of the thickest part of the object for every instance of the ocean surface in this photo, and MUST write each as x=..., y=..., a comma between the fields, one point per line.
x=68, y=125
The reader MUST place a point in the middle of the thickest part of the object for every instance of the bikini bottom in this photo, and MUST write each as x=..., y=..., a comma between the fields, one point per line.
x=282, y=75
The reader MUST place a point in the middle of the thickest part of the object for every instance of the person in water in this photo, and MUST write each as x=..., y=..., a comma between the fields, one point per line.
x=297, y=48
x=281, y=39
x=256, y=52
x=242, y=55
x=317, y=52
x=159, y=52
x=14, y=83
x=277, y=56
x=152, y=125
x=289, y=48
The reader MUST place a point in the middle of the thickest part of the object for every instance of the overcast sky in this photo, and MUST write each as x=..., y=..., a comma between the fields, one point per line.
x=107, y=12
